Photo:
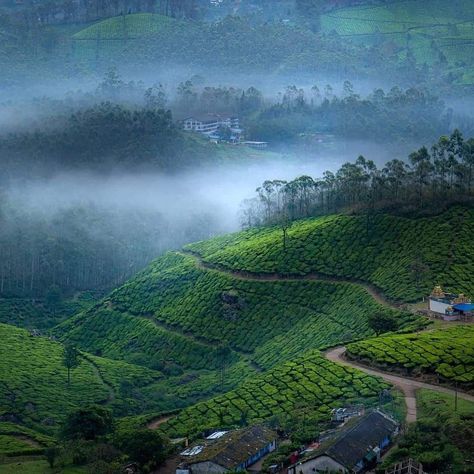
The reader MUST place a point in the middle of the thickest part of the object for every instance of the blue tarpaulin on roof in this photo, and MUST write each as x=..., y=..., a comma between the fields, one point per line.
x=464, y=307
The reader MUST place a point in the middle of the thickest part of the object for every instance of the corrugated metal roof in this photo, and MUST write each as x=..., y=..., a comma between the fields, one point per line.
x=464, y=307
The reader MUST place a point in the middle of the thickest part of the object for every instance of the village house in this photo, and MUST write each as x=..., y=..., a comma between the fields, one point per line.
x=211, y=123
x=228, y=451
x=355, y=450
x=450, y=306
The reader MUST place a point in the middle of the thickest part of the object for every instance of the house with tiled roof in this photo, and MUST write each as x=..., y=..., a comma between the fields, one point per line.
x=355, y=450
x=232, y=451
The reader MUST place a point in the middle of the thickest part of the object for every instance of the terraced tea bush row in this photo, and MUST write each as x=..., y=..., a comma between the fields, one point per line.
x=137, y=340
x=447, y=353
x=33, y=381
x=403, y=257
x=310, y=380
x=36, y=314
x=193, y=312
x=407, y=25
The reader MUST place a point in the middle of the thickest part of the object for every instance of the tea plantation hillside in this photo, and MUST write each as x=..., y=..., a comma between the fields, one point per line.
x=38, y=314
x=403, y=257
x=429, y=31
x=446, y=354
x=309, y=381
x=34, y=391
x=178, y=317
x=175, y=309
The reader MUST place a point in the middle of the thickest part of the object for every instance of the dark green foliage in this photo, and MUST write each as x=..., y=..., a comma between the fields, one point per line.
x=444, y=353
x=382, y=322
x=51, y=455
x=310, y=381
x=70, y=360
x=34, y=391
x=442, y=437
x=339, y=246
x=35, y=314
x=145, y=447
x=88, y=423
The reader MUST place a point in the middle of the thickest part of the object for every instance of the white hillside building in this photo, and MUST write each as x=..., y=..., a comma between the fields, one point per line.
x=211, y=123
x=450, y=306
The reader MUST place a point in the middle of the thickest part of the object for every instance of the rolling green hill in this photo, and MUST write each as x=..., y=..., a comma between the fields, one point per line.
x=126, y=26
x=432, y=31
x=33, y=384
x=447, y=354
x=210, y=330
x=403, y=257
x=310, y=381
x=236, y=323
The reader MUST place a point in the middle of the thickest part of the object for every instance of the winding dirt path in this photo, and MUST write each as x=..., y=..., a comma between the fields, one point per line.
x=315, y=276
x=157, y=422
x=107, y=385
x=407, y=385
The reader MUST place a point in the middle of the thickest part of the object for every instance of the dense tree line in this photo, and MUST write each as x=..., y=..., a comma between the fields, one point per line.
x=103, y=134
x=83, y=247
x=411, y=114
x=35, y=14
x=431, y=179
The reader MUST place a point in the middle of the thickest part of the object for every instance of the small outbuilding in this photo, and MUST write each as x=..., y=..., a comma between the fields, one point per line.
x=232, y=451
x=450, y=306
x=355, y=450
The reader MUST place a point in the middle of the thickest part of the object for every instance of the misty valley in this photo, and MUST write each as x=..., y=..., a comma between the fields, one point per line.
x=236, y=236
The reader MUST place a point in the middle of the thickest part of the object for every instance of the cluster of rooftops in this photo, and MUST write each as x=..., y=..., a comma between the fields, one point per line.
x=353, y=448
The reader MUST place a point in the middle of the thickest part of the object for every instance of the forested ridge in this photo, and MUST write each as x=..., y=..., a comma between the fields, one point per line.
x=432, y=179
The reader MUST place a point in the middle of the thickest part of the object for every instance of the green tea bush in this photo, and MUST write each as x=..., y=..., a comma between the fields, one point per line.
x=403, y=257
x=310, y=380
x=447, y=353
x=34, y=392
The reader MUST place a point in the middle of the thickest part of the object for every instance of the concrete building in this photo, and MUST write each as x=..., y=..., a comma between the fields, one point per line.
x=356, y=450
x=210, y=123
x=450, y=306
x=229, y=451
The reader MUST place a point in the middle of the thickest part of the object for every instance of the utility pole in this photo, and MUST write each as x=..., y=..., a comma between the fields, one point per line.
x=456, y=397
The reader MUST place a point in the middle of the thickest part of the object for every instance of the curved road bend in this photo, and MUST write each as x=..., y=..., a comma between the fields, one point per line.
x=407, y=385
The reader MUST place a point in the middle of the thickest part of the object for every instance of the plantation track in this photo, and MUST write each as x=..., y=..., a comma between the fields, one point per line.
x=110, y=389
x=407, y=385
x=250, y=276
x=200, y=340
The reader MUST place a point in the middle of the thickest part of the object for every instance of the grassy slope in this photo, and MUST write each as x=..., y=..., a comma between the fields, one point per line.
x=309, y=381
x=38, y=467
x=121, y=27
x=35, y=314
x=339, y=246
x=427, y=26
x=431, y=404
x=34, y=390
x=175, y=311
x=448, y=353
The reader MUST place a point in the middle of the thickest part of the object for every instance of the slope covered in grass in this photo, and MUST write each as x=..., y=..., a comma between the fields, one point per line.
x=308, y=381
x=37, y=314
x=175, y=309
x=403, y=257
x=444, y=353
x=126, y=26
x=33, y=381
